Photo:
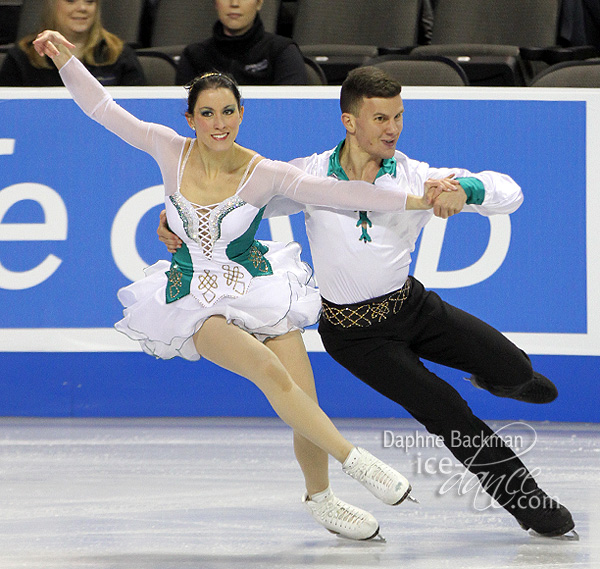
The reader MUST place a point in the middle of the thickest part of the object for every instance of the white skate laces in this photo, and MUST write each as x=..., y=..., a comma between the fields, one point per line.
x=380, y=479
x=341, y=518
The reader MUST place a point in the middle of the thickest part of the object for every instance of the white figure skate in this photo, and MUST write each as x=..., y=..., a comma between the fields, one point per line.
x=341, y=518
x=380, y=479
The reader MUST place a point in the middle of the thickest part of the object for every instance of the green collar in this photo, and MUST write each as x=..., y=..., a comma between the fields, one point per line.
x=388, y=165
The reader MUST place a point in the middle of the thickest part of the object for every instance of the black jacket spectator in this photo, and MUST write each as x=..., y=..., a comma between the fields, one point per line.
x=254, y=58
x=18, y=71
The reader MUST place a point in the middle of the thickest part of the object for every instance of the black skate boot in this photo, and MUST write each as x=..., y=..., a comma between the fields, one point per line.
x=538, y=389
x=537, y=511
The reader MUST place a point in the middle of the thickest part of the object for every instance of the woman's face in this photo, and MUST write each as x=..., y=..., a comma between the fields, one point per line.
x=237, y=16
x=74, y=17
x=216, y=119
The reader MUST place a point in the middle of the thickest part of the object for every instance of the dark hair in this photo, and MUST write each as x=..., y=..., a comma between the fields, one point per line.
x=212, y=80
x=365, y=83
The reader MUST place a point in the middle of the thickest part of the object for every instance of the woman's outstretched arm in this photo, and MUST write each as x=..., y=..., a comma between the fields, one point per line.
x=97, y=103
x=272, y=178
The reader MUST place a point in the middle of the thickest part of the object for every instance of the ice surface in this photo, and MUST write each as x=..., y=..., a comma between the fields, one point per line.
x=225, y=493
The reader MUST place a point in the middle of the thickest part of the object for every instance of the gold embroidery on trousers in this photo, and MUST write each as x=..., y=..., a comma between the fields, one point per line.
x=347, y=317
x=365, y=314
x=380, y=310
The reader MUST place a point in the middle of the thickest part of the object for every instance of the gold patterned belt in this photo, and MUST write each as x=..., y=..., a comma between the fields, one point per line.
x=363, y=315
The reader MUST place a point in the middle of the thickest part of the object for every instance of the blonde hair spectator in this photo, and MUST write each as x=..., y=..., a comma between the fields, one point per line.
x=104, y=54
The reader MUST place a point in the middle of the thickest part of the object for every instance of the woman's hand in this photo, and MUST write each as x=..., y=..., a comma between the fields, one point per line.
x=433, y=189
x=55, y=46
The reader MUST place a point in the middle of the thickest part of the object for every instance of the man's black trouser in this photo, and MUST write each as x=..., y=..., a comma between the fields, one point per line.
x=381, y=342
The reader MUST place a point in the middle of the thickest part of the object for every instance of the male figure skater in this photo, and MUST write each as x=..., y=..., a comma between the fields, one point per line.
x=378, y=322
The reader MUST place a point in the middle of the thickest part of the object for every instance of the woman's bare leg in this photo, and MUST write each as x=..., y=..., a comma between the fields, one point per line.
x=235, y=350
x=313, y=461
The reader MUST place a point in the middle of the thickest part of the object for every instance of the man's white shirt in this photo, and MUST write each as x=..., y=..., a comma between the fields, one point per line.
x=349, y=270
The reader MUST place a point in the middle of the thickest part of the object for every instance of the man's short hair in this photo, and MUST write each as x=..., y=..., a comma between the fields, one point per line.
x=366, y=83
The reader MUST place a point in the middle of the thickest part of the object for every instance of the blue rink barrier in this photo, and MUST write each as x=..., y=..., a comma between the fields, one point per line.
x=79, y=209
x=136, y=385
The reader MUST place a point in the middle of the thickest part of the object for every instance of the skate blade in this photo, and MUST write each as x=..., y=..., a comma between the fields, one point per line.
x=377, y=537
x=569, y=536
x=407, y=496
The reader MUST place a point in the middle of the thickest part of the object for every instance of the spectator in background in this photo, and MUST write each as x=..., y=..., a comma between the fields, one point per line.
x=147, y=22
x=241, y=47
x=426, y=22
x=579, y=23
x=104, y=54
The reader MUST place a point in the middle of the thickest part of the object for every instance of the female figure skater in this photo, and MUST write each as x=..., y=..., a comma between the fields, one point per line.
x=226, y=297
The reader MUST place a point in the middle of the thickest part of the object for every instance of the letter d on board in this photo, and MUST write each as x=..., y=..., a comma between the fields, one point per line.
x=430, y=250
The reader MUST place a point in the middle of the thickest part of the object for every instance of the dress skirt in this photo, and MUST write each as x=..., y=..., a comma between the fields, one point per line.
x=272, y=306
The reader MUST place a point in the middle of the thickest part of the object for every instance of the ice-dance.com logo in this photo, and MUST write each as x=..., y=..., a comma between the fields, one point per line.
x=490, y=473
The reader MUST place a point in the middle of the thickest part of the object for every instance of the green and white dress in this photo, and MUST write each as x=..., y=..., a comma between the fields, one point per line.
x=221, y=269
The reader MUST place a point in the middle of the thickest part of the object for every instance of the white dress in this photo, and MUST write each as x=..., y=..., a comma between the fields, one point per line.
x=262, y=287
x=267, y=292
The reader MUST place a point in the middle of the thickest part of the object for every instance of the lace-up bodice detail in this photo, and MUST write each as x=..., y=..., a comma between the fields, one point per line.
x=220, y=269
x=202, y=222
x=204, y=238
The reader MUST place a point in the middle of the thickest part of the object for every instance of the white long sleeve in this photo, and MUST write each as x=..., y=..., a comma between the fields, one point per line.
x=384, y=261
x=160, y=141
x=273, y=178
x=502, y=194
x=269, y=178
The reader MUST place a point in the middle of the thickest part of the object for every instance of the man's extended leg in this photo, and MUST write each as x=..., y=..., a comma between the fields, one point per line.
x=457, y=339
x=385, y=355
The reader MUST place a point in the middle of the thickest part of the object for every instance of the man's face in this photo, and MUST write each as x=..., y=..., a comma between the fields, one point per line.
x=378, y=126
